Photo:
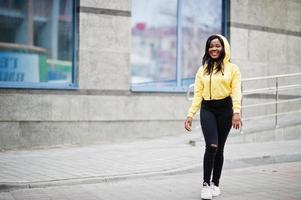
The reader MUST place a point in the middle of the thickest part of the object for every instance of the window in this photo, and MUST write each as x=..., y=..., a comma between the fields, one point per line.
x=168, y=41
x=37, y=43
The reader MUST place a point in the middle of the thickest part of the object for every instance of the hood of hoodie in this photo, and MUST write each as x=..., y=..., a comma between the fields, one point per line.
x=227, y=49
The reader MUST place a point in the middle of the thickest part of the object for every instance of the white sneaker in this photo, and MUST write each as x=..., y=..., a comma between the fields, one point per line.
x=206, y=192
x=215, y=190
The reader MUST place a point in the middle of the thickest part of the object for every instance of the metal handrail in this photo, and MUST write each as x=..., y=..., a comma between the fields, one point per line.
x=270, y=77
x=271, y=103
x=287, y=87
x=271, y=115
x=190, y=87
x=275, y=89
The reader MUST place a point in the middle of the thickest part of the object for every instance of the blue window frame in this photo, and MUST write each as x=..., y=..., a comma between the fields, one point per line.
x=168, y=41
x=38, y=45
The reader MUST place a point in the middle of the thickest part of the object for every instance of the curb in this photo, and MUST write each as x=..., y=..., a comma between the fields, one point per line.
x=229, y=164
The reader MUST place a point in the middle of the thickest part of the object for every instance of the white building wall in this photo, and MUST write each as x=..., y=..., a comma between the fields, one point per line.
x=265, y=37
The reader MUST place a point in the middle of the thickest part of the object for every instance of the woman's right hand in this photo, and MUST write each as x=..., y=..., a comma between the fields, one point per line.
x=188, y=123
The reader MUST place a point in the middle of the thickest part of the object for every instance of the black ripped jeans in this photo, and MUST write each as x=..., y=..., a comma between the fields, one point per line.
x=216, y=122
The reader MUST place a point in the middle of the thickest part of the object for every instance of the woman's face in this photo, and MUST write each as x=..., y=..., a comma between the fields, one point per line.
x=215, y=48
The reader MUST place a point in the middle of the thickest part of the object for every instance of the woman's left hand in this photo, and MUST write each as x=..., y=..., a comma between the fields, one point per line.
x=236, y=122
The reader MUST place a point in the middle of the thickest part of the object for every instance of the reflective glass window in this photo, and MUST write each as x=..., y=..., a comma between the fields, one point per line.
x=200, y=19
x=168, y=41
x=153, y=56
x=37, y=43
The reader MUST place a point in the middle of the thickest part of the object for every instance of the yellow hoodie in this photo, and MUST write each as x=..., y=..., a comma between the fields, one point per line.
x=217, y=85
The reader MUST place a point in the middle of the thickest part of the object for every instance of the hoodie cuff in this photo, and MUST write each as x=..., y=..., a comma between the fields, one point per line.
x=190, y=115
x=236, y=110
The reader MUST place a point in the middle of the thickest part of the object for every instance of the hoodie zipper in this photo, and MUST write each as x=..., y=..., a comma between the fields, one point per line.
x=210, y=84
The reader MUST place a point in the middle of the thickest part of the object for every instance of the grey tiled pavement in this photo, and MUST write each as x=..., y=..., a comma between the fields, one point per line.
x=144, y=158
x=280, y=181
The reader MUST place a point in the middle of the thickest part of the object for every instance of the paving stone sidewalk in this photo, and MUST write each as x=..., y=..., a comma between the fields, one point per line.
x=107, y=162
x=273, y=182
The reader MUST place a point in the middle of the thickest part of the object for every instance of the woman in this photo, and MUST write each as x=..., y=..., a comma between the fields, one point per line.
x=217, y=92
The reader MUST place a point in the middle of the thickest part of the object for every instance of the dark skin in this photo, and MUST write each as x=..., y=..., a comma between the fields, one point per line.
x=214, y=52
x=235, y=122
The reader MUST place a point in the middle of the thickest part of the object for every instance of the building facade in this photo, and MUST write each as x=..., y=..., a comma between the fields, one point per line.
x=91, y=94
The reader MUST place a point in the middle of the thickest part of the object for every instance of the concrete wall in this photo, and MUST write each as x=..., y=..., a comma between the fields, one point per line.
x=265, y=38
x=103, y=109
